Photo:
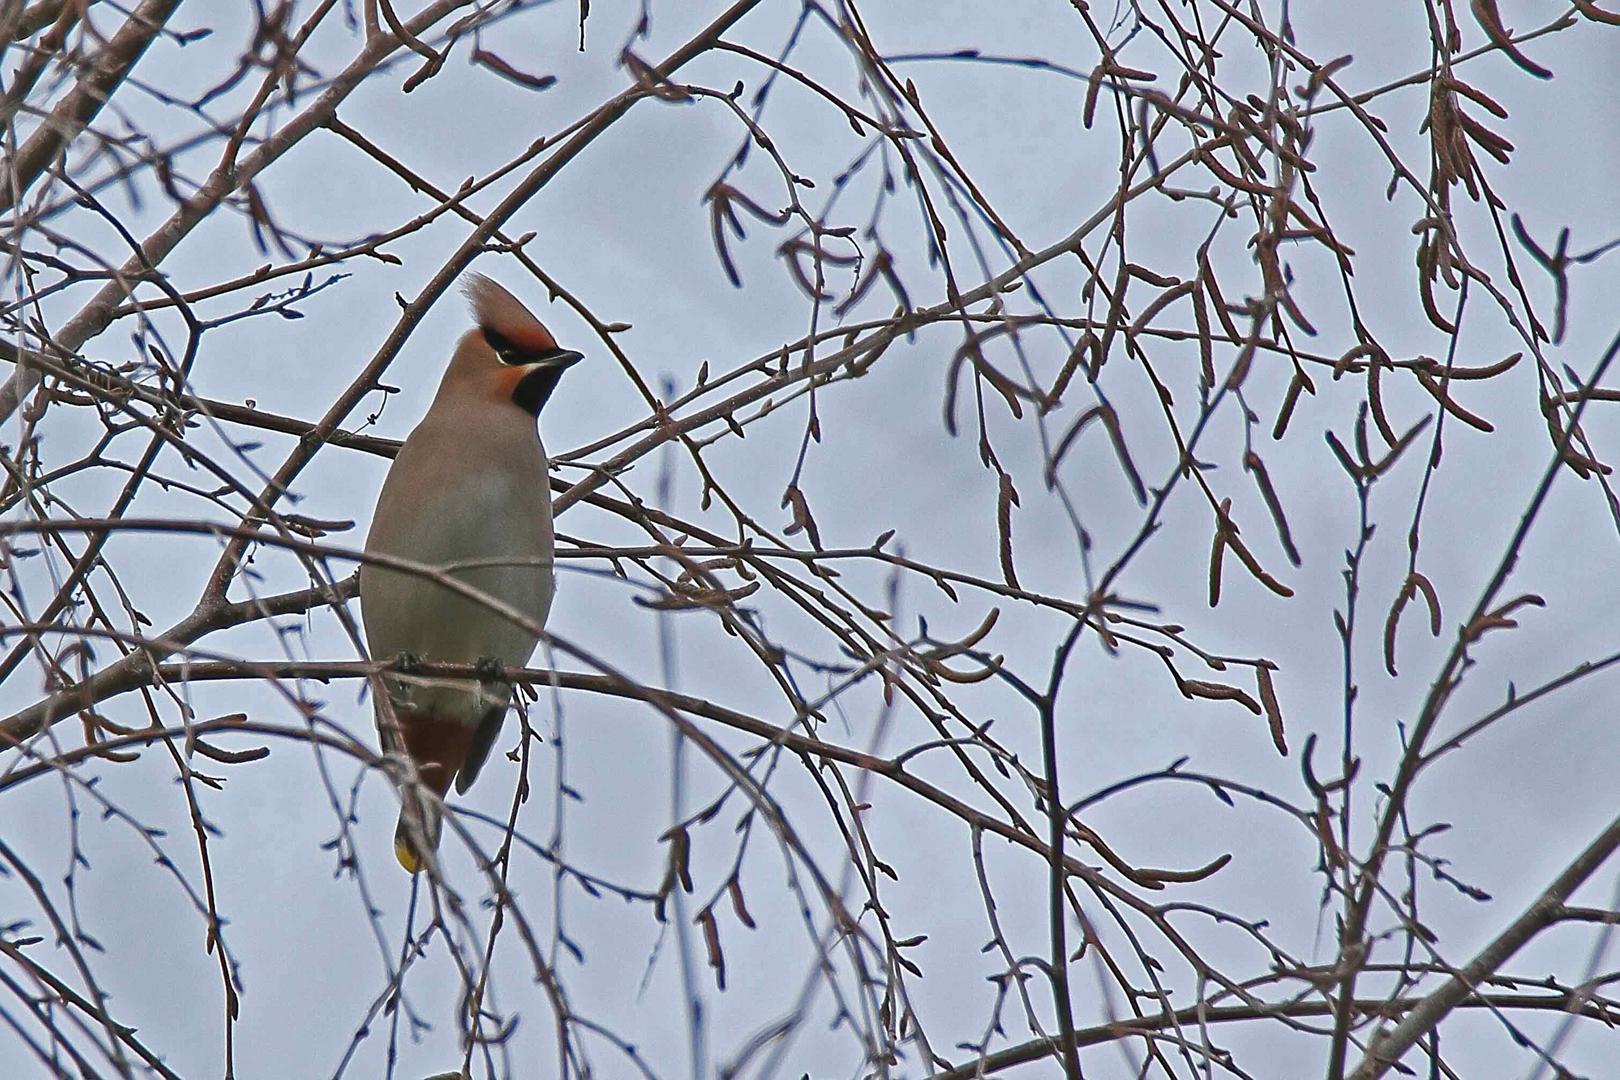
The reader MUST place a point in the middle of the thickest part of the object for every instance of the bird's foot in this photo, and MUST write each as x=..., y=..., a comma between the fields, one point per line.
x=407, y=663
x=489, y=669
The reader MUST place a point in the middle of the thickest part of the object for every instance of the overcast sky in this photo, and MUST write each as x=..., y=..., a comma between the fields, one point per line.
x=624, y=228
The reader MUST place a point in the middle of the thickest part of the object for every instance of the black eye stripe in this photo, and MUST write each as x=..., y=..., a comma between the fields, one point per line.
x=511, y=354
x=497, y=340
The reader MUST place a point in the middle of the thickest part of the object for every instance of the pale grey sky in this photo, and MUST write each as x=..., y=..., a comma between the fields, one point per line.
x=625, y=229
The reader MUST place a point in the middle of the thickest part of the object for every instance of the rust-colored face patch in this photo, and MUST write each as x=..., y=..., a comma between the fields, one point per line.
x=507, y=380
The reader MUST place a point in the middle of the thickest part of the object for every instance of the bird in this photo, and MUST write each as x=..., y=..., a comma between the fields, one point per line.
x=468, y=494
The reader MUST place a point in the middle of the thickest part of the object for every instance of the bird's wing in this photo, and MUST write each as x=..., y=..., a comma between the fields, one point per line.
x=489, y=729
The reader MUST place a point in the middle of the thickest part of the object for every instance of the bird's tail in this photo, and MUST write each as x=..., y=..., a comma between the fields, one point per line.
x=416, y=837
x=437, y=745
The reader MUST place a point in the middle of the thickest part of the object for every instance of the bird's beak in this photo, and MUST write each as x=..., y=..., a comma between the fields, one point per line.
x=555, y=361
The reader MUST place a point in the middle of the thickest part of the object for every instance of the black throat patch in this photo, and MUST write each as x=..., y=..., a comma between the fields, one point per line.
x=533, y=389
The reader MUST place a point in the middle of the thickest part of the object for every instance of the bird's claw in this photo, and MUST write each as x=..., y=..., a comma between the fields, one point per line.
x=407, y=663
x=488, y=668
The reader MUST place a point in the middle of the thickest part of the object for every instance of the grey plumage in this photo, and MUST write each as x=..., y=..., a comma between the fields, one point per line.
x=468, y=493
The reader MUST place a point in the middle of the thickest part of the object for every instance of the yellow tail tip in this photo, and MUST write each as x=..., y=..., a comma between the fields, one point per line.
x=407, y=858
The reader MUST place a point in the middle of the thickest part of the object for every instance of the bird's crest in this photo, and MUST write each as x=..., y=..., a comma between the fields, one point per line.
x=502, y=316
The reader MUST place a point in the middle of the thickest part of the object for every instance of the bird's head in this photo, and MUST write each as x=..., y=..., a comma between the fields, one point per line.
x=510, y=355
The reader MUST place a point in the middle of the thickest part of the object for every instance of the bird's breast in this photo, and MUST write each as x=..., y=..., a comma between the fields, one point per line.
x=488, y=528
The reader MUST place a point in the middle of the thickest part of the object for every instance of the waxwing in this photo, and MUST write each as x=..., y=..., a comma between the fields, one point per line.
x=467, y=494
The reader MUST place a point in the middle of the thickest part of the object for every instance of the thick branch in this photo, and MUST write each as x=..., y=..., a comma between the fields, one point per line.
x=1387, y=1047
x=107, y=69
x=230, y=176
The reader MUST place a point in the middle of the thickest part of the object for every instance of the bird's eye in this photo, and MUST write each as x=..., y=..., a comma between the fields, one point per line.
x=509, y=357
